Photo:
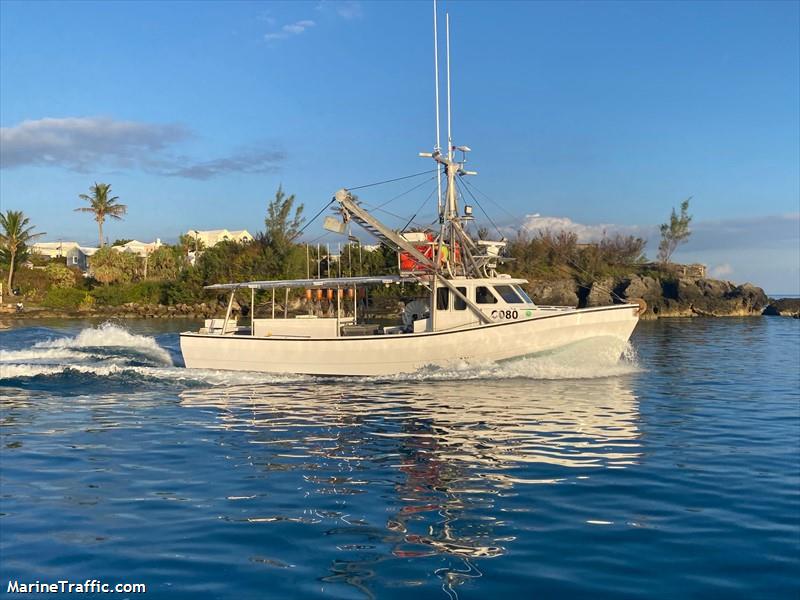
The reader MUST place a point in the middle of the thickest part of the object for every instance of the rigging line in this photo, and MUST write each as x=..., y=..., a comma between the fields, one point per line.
x=316, y=239
x=416, y=187
x=360, y=187
x=481, y=207
x=594, y=283
x=414, y=216
x=586, y=272
x=399, y=216
x=497, y=204
x=391, y=214
x=314, y=218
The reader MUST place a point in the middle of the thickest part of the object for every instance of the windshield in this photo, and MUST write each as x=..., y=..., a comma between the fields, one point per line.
x=508, y=294
x=484, y=296
x=522, y=293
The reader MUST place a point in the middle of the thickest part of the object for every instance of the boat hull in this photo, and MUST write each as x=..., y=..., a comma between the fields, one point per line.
x=406, y=353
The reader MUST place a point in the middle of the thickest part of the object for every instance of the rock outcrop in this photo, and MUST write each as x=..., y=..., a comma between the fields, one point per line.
x=784, y=307
x=676, y=297
x=600, y=293
x=558, y=292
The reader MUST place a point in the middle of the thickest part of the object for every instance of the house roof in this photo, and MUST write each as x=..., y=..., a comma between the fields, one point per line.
x=55, y=245
x=210, y=232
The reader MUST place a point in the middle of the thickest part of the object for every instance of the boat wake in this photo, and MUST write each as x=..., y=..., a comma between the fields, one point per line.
x=112, y=357
x=590, y=359
x=108, y=355
x=106, y=341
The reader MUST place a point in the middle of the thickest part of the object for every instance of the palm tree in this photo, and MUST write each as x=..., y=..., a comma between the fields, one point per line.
x=14, y=238
x=102, y=205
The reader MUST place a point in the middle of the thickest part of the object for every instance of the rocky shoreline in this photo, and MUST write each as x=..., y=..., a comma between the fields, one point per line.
x=131, y=310
x=674, y=297
x=680, y=297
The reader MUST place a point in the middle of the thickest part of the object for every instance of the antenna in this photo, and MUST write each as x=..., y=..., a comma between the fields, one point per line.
x=436, y=70
x=449, y=134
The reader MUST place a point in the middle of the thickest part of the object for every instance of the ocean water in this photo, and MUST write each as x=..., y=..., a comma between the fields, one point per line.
x=674, y=473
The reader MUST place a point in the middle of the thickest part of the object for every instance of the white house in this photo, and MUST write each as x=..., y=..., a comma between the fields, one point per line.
x=212, y=237
x=54, y=249
x=72, y=253
x=139, y=248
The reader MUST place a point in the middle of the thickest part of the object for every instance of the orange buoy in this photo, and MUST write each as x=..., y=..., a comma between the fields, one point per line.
x=319, y=294
x=308, y=295
x=330, y=294
x=350, y=293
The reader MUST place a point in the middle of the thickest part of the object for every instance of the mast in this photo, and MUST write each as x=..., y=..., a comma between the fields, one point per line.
x=438, y=147
x=449, y=130
x=452, y=167
x=451, y=232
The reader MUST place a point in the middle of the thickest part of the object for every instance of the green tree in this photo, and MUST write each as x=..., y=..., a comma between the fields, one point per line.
x=60, y=276
x=165, y=263
x=622, y=249
x=111, y=266
x=282, y=228
x=102, y=205
x=190, y=243
x=14, y=239
x=675, y=232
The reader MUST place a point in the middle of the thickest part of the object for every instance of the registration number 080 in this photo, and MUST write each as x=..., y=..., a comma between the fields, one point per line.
x=505, y=314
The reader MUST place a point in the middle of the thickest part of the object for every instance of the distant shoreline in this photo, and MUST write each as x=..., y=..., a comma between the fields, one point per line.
x=783, y=306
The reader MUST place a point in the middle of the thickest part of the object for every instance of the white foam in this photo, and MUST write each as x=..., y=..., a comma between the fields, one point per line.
x=109, y=335
x=590, y=359
x=15, y=371
x=40, y=355
x=177, y=374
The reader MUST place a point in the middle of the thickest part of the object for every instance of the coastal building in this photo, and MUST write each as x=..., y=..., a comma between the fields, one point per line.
x=73, y=254
x=212, y=237
x=53, y=249
x=139, y=248
x=693, y=270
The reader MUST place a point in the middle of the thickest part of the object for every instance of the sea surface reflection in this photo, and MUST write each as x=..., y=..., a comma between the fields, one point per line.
x=670, y=474
x=437, y=455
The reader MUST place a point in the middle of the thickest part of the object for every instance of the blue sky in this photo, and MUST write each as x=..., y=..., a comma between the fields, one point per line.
x=600, y=116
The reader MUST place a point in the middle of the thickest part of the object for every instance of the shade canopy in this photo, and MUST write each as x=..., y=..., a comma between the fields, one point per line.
x=325, y=282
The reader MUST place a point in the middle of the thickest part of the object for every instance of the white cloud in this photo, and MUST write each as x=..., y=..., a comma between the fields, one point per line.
x=265, y=17
x=246, y=161
x=83, y=144
x=585, y=233
x=720, y=271
x=346, y=9
x=290, y=29
x=349, y=10
x=78, y=142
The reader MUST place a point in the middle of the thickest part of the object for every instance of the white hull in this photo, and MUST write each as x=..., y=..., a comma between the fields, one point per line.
x=407, y=353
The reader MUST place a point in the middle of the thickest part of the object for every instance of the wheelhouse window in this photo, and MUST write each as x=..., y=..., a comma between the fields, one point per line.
x=458, y=303
x=483, y=295
x=508, y=294
x=442, y=297
x=523, y=295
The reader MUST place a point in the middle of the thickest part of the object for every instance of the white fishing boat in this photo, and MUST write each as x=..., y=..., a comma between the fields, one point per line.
x=469, y=314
